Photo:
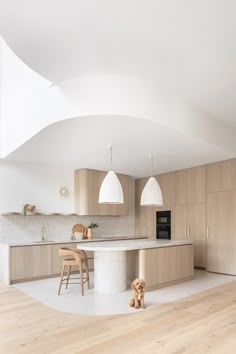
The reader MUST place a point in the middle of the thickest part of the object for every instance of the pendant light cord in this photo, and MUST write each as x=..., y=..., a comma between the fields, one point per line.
x=151, y=158
x=110, y=147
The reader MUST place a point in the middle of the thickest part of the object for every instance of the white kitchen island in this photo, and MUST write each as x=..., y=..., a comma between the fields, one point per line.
x=160, y=262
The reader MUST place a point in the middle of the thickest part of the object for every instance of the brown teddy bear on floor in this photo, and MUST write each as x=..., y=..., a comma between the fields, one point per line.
x=137, y=299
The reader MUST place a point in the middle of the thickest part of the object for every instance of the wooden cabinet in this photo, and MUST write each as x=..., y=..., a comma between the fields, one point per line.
x=221, y=222
x=179, y=222
x=162, y=266
x=166, y=182
x=189, y=221
x=221, y=176
x=32, y=262
x=180, y=187
x=141, y=222
x=197, y=232
x=197, y=185
x=28, y=262
x=87, y=186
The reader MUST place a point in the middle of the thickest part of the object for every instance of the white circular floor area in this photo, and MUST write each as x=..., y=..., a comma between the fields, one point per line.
x=71, y=300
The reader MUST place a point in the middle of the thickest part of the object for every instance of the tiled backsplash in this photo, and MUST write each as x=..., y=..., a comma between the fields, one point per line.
x=17, y=228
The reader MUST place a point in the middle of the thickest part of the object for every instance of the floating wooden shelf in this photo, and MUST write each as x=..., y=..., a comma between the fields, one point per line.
x=38, y=214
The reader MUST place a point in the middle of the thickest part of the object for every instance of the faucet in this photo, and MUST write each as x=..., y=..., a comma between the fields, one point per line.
x=43, y=233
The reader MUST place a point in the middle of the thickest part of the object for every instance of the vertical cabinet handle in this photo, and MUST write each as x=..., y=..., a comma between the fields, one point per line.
x=208, y=232
x=189, y=232
x=186, y=231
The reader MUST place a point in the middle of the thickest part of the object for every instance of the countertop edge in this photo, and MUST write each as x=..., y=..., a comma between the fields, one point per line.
x=45, y=243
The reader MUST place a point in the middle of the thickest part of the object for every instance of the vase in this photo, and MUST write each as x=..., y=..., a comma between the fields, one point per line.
x=90, y=234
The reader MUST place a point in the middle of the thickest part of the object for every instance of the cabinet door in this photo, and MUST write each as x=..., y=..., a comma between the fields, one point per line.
x=221, y=242
x=197, y=185
x=141, y=222
x=30, y=262
x=197, y=232
x=179, y=222
x=221, y=176
x=166, y=182
x=87, y=187
x=180, y=187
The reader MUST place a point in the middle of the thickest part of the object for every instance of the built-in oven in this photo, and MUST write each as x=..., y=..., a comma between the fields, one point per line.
x=163, y=225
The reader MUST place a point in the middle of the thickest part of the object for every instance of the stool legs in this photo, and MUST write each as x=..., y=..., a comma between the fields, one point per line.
x=87, y=273
x=68, y=276
x=81, y=279
x=62, y=274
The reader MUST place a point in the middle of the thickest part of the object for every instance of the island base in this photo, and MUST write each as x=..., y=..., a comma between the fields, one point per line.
x=110, y=276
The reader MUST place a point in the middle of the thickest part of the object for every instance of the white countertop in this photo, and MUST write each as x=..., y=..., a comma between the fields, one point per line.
x=130, y=245
x=93, y=240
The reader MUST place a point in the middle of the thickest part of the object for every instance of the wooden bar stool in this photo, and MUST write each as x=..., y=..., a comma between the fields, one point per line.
x=73, y=257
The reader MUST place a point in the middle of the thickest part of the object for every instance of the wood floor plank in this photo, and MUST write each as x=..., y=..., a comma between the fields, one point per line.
x=198, y=324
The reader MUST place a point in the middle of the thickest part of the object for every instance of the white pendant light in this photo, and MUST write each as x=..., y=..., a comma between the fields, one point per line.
x=111, y=191
x=151, y=194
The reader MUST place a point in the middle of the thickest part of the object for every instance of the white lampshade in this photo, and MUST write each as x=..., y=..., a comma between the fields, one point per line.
x=151, y=194
x=111, y=190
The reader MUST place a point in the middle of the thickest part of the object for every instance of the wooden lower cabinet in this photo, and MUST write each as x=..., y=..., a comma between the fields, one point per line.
x=160, y=266
x=29, y=262
x=221, y=242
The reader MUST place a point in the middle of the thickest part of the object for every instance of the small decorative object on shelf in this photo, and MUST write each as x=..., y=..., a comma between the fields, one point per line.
x=90, y=227
x=28, y=209
x=80, y=229
x=64, y=192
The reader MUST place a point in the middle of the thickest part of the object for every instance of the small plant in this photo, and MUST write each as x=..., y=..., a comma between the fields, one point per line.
x=24, y=210
x=93, y=226
x=28, y=208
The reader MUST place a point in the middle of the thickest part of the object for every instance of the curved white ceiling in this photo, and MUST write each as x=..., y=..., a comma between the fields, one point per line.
x=82, y=143
x=187, y=45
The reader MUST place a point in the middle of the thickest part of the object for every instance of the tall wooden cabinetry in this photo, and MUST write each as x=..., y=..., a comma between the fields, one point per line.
x=184, y=193
x=200, y=199
x=221, y=217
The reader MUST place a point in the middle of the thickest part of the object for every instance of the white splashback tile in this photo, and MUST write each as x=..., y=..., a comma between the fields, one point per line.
x=15, y=228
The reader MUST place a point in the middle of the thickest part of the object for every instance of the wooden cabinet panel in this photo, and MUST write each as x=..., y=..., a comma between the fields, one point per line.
x=160, y=266
x=221, y=176
x=87, y=186
x=197, y=184
x=197, y=232
x=180, y=187
x=179, y=222
x=141, y=222
x=221, y=242
x=30, y=261
x=166, y=182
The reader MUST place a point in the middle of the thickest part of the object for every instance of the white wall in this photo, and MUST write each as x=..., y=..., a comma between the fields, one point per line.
x=22, y=183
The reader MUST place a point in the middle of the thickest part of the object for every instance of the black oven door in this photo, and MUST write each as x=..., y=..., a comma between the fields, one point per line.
x=163, y=232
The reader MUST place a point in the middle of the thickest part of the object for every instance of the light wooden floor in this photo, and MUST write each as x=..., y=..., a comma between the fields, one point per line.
x=202, y=323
